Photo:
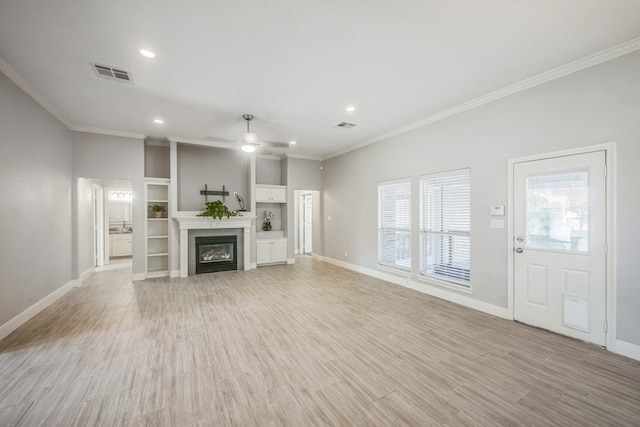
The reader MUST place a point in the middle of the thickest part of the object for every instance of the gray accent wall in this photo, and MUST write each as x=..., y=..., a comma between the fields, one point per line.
x=268, y=171
x=109, y=157
x=156, y=159
x=35, y=201
x=597, y=105
x=215, y=167
x=85, y=230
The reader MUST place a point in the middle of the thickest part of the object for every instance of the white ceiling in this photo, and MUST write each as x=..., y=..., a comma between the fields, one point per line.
x=294, y=64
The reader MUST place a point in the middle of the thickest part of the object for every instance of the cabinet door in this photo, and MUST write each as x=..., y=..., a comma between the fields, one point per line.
x=121, y=247
x=279, y=195
x=279, y=250
x=263, y=194
x=263, y=252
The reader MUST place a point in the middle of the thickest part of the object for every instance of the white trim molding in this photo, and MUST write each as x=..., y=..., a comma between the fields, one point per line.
x=627, y=349
x=191, y=221
x=556, y=73
x=425, y=288
x=136, y=277
x=85, y=276
x=36, y=308
x=22, y=84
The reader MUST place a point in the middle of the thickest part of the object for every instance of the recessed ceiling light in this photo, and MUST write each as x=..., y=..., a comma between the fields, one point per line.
x=350, y=108
x=158, y=121
x=293, y=142
x=147, y=53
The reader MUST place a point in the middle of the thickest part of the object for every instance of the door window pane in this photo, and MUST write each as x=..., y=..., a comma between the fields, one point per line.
x=558, y=211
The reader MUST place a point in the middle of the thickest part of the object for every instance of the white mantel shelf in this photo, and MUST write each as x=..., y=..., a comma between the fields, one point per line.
x=190, y=221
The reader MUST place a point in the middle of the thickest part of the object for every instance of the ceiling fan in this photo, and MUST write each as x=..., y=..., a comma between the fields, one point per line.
x=250, y=142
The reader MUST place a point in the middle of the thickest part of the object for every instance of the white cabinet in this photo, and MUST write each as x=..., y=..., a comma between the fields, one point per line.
x=270, y=251
x=271, y=193
x=157, y=228
x=120, y=245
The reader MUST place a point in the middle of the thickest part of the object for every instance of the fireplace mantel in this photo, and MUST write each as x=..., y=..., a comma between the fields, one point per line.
x=190, y=221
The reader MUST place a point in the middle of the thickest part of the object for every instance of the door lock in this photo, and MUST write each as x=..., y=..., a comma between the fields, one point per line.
x=519, y=250
x=519, y=239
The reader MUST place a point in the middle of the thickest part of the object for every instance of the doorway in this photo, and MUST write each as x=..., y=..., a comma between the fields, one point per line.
x=306, y=220
x=105, y=224
x=559, y=232
x=306, y=209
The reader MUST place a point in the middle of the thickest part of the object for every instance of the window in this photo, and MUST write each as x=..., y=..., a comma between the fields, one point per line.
x=394, y=224
x=445, y=226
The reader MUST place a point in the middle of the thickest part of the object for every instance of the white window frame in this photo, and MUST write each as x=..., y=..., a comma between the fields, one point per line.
x=464, y=233
x=399, y=227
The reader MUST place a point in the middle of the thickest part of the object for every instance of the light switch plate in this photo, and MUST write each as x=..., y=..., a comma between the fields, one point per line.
x=496, y=210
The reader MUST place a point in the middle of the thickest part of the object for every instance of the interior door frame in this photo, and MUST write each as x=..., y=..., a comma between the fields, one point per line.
x=610, y=230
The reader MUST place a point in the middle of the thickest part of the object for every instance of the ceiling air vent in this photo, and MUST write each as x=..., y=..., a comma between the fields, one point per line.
x=112, y=73
x=345, y=125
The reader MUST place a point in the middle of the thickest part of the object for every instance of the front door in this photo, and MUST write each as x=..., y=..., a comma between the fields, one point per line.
x=559, y=230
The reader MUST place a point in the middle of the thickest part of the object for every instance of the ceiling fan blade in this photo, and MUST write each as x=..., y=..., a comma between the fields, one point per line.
x=274, y=144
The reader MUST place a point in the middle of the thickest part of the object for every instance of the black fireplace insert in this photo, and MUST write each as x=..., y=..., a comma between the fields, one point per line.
x=216, y=253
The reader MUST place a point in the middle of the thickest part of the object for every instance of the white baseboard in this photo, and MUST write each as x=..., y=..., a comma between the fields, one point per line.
x=84, y=276
x=36, y=308
x=628, y=349
x=316, y=256
x=253, y=266
x=425, y=289
x=291, y=261
x=138, y=276
x=174, y=274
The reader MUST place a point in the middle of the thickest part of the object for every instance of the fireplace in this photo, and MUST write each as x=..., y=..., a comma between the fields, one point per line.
x=216, y=253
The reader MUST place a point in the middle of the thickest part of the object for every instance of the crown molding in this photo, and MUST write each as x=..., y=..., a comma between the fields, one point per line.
x=203, y=142
x=301, y=156
x=556, y=73
x=22, y=84
x=110, y=132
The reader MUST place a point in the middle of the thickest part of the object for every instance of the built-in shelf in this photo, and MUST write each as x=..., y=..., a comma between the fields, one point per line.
x=157, y=229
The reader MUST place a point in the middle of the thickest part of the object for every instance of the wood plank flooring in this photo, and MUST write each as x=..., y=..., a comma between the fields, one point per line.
x=301, y=345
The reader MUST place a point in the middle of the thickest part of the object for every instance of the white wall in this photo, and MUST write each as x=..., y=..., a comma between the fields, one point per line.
x=35, y=202
x=112, y=157
x=594, y=106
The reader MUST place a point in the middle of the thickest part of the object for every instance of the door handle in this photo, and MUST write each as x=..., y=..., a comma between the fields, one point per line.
x=519, y=250
x=519, y=239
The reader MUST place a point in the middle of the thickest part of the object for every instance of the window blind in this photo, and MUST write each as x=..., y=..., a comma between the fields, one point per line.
x=445, y=226
x=394, y=224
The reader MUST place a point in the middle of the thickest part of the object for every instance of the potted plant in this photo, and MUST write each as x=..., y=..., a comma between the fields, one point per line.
x=158, y=211
x=217, y=210
x=266, y=225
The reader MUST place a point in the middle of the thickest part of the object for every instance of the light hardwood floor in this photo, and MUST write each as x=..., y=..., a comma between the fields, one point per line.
x=301, y=345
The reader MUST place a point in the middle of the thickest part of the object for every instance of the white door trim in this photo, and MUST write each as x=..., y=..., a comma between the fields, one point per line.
x=610, y=259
